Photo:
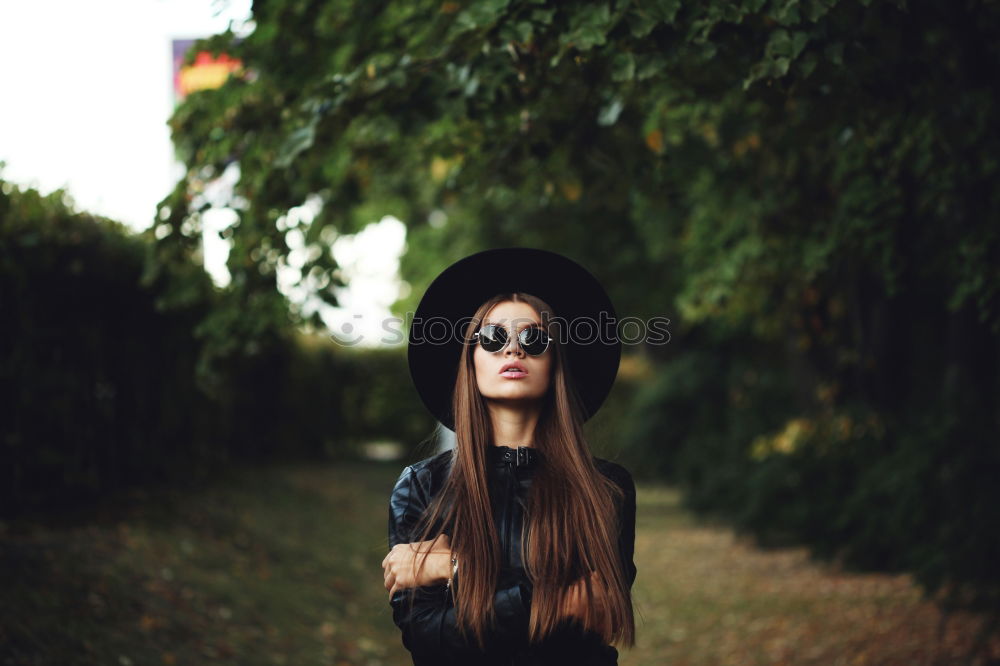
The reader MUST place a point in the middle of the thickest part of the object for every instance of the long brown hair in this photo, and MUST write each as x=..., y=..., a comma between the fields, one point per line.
x=571, y=527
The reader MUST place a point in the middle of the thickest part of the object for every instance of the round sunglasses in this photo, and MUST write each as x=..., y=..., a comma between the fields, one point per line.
x=493, y=338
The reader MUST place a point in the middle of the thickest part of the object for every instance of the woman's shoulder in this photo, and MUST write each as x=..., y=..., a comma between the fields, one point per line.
x=616, y=472
x=428, y=473
x=433, y=464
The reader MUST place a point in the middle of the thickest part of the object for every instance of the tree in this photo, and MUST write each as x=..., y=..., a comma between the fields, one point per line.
x=722, y=146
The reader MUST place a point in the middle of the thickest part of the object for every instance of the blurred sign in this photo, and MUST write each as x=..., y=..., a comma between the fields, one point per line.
x=207, y=70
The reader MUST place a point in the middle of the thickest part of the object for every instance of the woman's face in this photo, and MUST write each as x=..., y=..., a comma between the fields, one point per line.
x=531, y=382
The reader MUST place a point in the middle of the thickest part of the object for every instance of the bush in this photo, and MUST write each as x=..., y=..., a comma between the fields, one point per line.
x=101, y=381
x=95, y=380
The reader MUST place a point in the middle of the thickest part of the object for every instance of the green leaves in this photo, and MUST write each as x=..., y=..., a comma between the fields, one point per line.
x=786, y=12
x=480, y=14
x=782, y=48
x=622, y=67
x=814, y=10
x=588, y=27
x=785, y=44
x=297, y=141
x=665, y=11
x=641, y=22
x=661, y=109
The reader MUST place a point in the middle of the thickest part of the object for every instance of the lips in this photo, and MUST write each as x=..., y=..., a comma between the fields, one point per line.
x=515, y=369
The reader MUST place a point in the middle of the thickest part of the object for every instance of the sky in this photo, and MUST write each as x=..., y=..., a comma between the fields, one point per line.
x=86, y=93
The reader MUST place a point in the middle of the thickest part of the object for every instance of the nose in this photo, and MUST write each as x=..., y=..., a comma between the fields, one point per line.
x=513, y=347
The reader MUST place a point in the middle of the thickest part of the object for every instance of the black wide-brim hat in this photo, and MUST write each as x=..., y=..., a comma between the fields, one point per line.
x=589, y=332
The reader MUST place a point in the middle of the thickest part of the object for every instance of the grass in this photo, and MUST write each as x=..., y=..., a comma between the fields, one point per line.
x=281, y=566
x=270, y=566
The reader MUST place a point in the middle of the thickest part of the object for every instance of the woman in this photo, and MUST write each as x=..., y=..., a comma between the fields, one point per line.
x=515, y=547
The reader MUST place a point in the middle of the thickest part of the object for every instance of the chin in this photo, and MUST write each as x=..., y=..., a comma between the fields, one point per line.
x=520, y=393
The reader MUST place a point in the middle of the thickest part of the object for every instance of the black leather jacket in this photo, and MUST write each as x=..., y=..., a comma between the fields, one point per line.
x=429, y=630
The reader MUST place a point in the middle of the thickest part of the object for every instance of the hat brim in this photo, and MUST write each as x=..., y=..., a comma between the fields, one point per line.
x=589, y=336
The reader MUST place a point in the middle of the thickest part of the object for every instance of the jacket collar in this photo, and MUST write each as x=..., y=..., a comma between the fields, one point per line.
x=522, y=456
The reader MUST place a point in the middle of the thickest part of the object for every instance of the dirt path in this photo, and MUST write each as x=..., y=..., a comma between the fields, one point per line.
x=710, y=598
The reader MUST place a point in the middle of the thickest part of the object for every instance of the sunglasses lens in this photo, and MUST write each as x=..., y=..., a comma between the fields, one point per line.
x=492, y=338
x=534, y=341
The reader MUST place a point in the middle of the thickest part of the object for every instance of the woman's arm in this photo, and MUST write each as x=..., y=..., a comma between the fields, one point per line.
x=626, y=516
x=626, y=525
x=430, y=627
x=575, y=599
x=417, y=564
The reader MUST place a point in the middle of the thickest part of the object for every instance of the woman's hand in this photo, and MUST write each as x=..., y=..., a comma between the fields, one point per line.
x=400, y=565
x=575, y=602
